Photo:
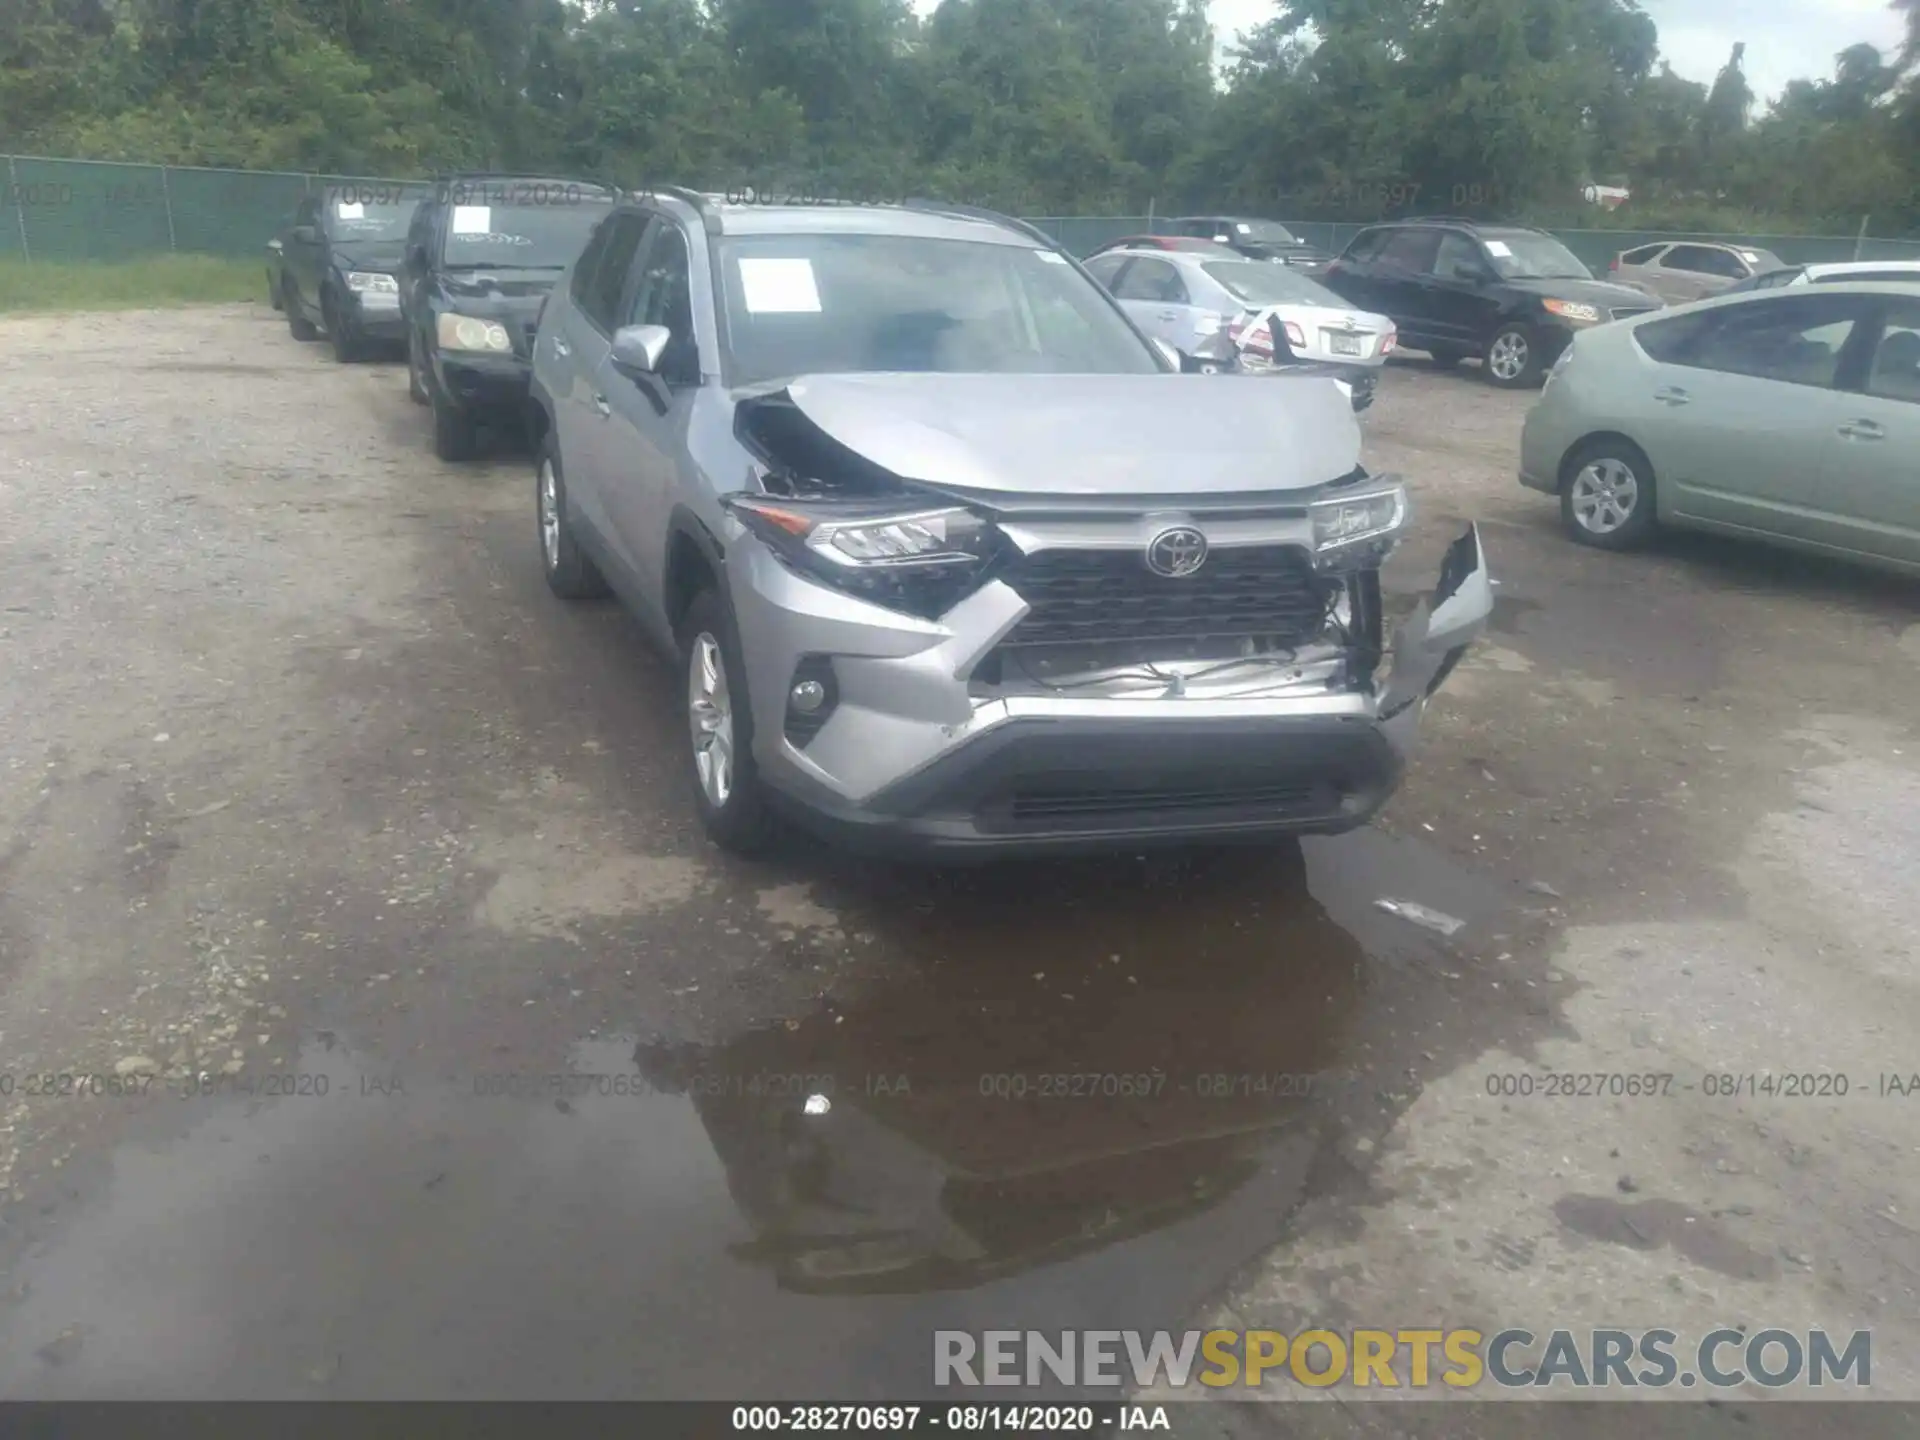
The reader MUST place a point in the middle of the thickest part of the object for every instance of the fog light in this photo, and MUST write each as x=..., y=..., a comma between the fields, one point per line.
x=812, y=695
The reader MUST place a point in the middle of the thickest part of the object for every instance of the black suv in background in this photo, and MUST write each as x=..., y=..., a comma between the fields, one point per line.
x=1255, y=239
x=1510, y=295
x=338, y=264
x=481, y=255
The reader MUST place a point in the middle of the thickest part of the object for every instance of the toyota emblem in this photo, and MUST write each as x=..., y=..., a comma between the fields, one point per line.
x=1177, y=553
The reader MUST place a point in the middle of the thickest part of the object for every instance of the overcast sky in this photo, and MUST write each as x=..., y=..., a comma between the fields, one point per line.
x=1786, y=39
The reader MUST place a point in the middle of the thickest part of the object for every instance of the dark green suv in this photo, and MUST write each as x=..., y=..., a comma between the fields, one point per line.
x=481, y=255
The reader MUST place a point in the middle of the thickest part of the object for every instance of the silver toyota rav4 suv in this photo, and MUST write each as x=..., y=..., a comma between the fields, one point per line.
x=951, y=556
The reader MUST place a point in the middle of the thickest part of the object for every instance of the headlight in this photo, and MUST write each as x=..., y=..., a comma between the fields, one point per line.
x=1349, y=525
x=464, y=332
x=1573, y=310
x=919, y=560
x=372, y=282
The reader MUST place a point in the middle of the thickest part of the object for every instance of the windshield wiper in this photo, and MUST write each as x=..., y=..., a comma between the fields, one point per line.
x=496, y=265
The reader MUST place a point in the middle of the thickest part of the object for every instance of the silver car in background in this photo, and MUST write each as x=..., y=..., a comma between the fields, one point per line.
x=1790, y=415
x=1682, y=270
x=1904, y=272
x=1274, y=315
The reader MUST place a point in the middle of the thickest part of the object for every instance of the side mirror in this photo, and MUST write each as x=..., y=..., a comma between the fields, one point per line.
x=307, y=234
x=637, y=348
x=1168, y=353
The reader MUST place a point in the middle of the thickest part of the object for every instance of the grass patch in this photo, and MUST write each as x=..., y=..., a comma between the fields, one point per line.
x=129, y=285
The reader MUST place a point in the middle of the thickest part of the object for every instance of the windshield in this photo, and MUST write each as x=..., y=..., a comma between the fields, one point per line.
x=531, y=237
x=827, y=304
x=1264, y=283
x=351, y=220
x=1521, y=255
x=1263, y=232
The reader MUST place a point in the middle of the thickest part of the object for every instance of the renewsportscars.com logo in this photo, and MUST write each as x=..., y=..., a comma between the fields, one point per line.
x=1455, y=1359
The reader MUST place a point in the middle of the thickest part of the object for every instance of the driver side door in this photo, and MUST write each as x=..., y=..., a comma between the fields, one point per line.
x=644, y=440
x=1456, y=296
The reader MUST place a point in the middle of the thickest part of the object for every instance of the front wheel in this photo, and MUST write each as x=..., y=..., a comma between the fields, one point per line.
x=346, y=344
x=298, y=325
x=455, y=436
x=416, y=379
x=1606, y=496
x=726, y=782
x=1513, y=359
x=571, y=573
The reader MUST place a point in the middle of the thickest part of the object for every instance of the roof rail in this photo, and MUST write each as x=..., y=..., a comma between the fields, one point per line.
x=701, y=201
x=1434, y=220
x=980, y=212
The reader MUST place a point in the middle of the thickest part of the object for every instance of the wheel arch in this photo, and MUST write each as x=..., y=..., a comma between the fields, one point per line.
x=695, y=560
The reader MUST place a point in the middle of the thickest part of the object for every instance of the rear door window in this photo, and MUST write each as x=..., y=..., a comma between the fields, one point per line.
x=1410, y=252
x=1155, y=280
x=1797, y=340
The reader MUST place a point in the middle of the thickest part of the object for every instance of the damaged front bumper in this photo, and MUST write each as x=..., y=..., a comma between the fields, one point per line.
x=914, y=754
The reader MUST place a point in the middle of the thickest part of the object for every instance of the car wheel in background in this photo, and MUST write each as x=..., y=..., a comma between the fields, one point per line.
x=1445, y=359
x=1606, y=495
x=298, y=325
x=571, y=573
x=346, y=345
x=455, y=436
x=1513, y=359
x=273, y=292
x=416, y=378
x=726, y=783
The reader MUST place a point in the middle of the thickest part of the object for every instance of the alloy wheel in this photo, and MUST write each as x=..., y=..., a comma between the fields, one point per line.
x=710, y=714
x=549, y=515
x=1604, y=494
x=1508, y=357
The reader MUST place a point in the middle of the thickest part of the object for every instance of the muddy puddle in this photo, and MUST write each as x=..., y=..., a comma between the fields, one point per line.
x=1082, y=1097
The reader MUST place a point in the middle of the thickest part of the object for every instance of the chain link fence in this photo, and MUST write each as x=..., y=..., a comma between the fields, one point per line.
x=60, y=210
x=64, y=210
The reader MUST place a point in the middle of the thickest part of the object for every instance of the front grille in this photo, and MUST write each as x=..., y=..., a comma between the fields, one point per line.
x=1079, y=597
x=1029, y=807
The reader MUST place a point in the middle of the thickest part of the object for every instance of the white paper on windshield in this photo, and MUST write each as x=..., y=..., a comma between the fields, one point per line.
x=779, y=287
x=350, y=210
x=1499, y=247
x=1750, y=257
x=472, y=219
x=1244, y=229
x=1052, y=257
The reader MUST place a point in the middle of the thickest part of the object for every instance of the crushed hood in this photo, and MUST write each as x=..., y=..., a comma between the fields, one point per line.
x=1090, y=434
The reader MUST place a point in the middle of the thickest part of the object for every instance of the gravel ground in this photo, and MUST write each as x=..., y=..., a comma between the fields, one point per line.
x=305, y=780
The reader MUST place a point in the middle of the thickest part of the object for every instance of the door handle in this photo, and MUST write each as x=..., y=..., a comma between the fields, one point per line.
x=1862, y=430
x=561, y=348
x=1169, y=314
x=600, y=404
x=1672, y=395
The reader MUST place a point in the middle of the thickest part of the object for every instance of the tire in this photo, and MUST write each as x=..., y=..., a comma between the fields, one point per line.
x=298, y=326
x=346, y=345
x=571, y=573
x=738, y=820
x=1513, y=359
x=1445, y=359
x=1607, y=496
x=416, y=381
x=455, y=436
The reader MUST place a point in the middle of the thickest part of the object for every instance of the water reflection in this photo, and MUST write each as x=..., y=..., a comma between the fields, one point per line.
x=975, y=1118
